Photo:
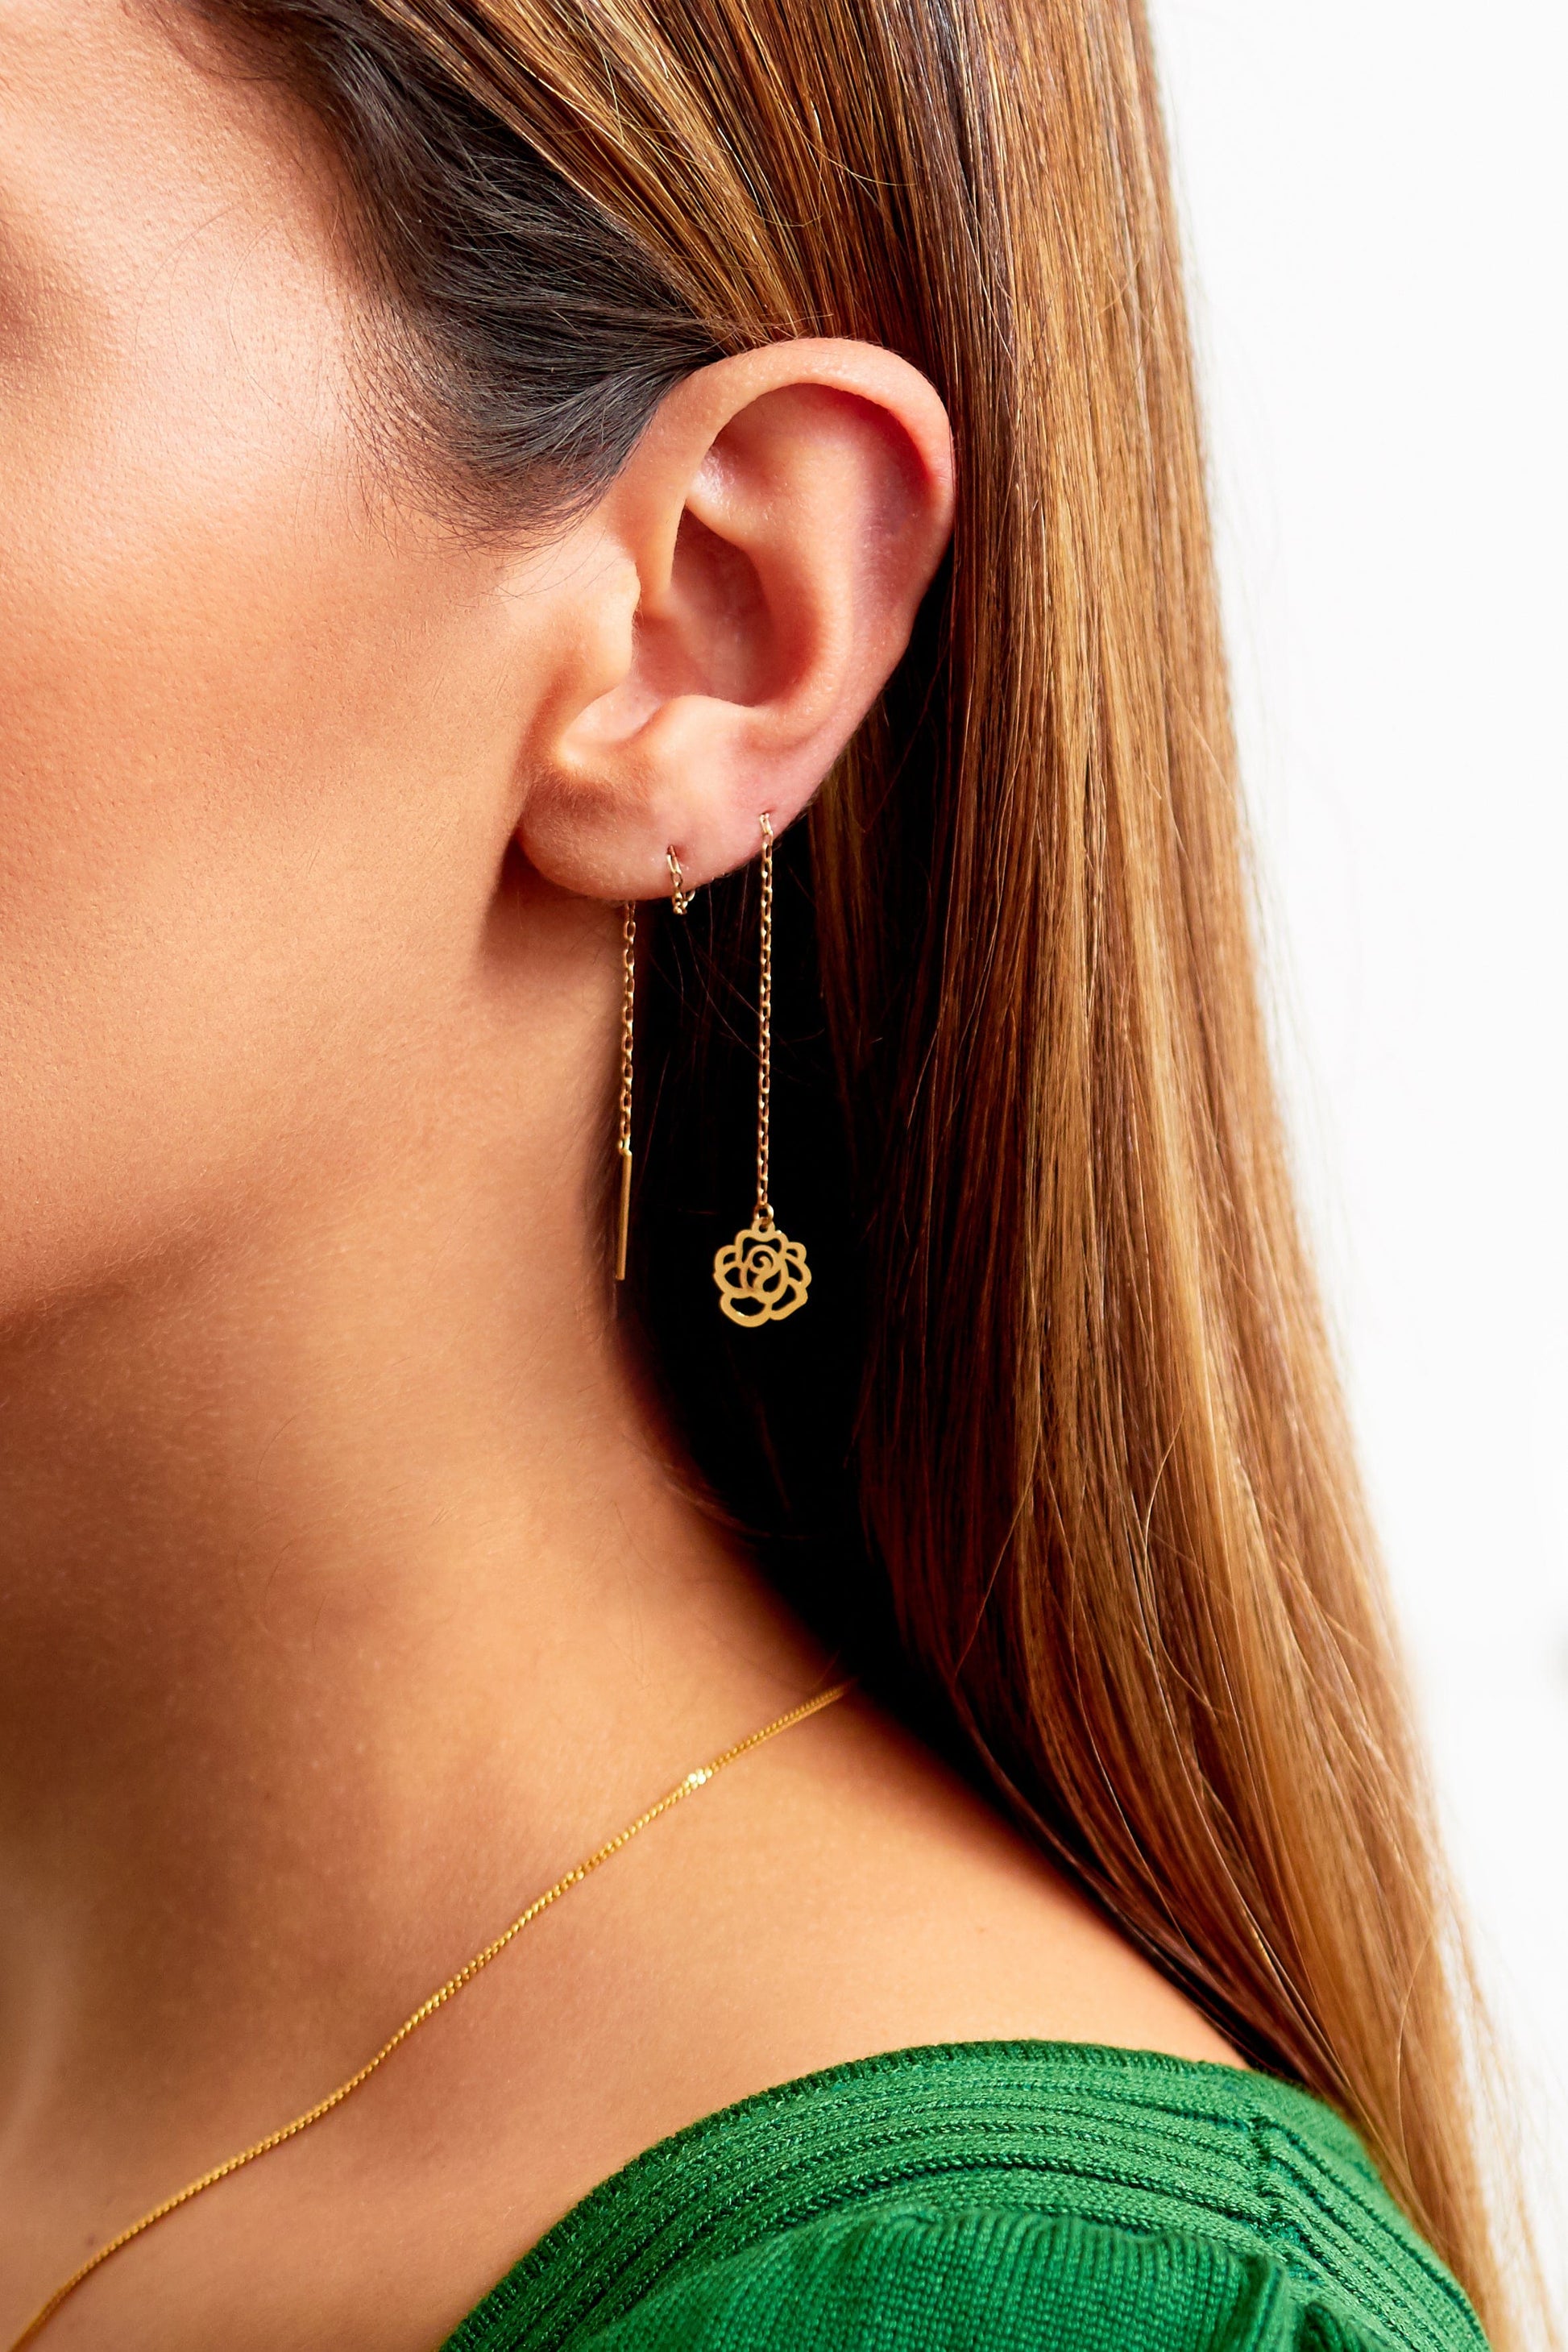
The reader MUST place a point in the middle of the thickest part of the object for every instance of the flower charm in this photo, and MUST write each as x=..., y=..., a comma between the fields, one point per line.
x=762, y=1275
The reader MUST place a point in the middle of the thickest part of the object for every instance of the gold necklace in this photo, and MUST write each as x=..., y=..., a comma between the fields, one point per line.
x=427, y=2009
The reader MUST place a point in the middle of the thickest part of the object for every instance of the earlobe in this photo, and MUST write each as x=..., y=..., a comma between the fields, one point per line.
x=782, y=519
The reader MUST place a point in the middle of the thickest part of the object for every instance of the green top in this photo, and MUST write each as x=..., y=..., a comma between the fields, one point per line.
x=991, y=2197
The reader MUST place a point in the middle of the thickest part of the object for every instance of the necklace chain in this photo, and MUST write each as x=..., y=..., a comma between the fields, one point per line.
x=437, y=2000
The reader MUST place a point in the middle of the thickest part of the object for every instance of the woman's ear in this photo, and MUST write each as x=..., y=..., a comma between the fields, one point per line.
x=728, y=611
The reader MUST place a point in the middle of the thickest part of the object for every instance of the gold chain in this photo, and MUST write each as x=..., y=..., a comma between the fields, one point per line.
x=764, y=1216
x=628, y=999
x=628, y=1009
x=762, y=1276
x=437, y=2000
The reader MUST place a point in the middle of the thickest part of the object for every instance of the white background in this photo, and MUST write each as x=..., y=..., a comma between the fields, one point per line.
x=1373, y=192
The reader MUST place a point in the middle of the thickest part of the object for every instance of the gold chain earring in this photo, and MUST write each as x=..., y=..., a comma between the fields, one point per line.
x=623, y=1145
x=681, y=898
x=761, y=1275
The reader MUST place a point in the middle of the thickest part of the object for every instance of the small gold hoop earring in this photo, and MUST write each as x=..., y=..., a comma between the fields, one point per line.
x=680, y=898
x=624, y=1137
x=761, y=1275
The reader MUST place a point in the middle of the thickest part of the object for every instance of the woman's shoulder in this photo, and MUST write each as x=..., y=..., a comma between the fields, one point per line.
x=990, y=2196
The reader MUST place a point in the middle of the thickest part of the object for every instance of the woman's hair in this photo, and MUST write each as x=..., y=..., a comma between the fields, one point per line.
x=1058, y=1451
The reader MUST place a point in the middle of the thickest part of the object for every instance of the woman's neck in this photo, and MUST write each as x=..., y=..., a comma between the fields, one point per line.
x=346, y=1598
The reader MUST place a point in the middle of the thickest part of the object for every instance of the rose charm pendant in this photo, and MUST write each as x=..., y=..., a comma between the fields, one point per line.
x=761, y=1275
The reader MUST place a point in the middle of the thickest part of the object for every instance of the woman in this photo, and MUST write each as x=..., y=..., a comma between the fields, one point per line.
x=471, y=470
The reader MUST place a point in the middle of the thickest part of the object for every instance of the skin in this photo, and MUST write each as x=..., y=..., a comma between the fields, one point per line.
x=348, y=1592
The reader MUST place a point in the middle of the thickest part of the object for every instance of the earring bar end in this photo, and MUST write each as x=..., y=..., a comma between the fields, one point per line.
x=623, y=1219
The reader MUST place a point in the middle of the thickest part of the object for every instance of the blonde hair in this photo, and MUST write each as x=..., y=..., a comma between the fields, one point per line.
x=1107, y=1524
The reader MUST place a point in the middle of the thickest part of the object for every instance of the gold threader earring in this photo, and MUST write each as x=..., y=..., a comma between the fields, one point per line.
x=761, y=1275
x=624, y=1143
x=680, y=899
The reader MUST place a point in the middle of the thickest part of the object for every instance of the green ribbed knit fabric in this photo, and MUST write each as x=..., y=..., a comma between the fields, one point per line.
x=990, y=2196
